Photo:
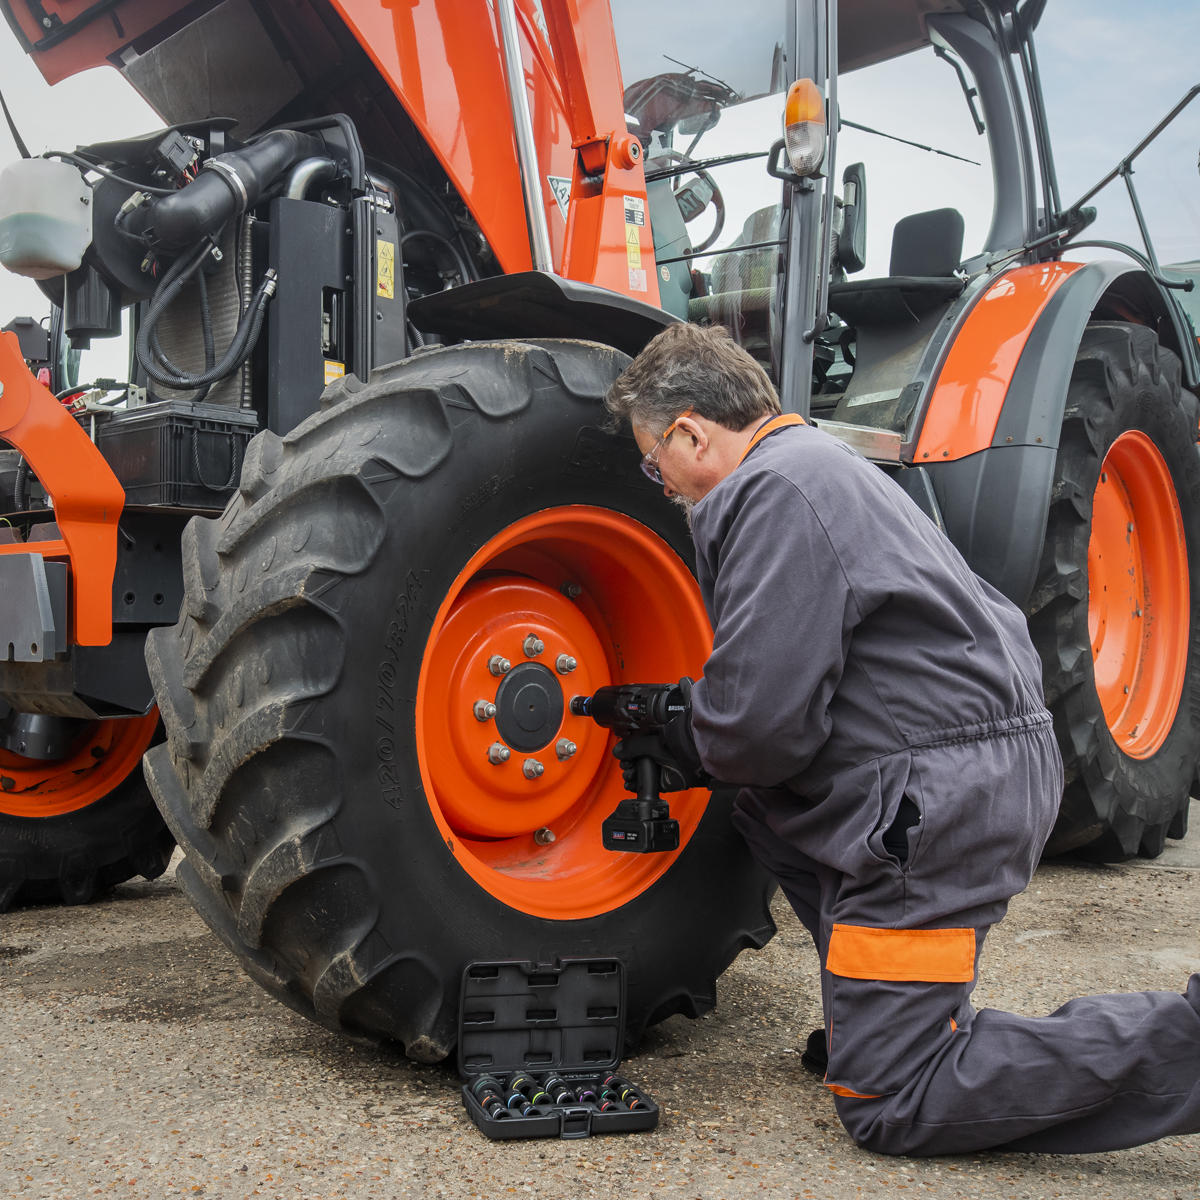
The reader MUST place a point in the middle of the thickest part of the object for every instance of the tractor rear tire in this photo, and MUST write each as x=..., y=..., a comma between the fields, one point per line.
x=327, y=770
x=1114, y=610
x=110, y=832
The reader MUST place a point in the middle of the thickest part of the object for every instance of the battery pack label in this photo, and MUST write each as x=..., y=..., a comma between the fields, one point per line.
x=385, y=269
x=333, y=370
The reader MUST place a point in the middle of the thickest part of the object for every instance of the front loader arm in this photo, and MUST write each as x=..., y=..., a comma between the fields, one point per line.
x=87, y=498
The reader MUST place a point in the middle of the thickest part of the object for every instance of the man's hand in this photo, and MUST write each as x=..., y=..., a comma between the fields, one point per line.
x=673, y=749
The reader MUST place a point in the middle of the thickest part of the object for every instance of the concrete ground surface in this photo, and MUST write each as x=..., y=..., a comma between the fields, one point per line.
x=138, y=1061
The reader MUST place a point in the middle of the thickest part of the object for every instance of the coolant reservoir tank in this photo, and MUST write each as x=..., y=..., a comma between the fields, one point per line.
x=45, y=218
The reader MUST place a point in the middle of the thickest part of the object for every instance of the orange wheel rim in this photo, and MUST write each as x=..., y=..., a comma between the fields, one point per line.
x=1138, y=595
x=102, y=755
x=637, y=617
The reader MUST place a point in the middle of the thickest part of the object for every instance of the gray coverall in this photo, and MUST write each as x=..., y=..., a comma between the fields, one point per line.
x=858, y=661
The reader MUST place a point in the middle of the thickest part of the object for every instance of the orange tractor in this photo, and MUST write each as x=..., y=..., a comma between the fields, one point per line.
x=383, y=264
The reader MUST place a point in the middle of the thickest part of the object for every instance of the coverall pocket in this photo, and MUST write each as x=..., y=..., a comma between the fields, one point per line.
x=891, y=1010
x=897, y=833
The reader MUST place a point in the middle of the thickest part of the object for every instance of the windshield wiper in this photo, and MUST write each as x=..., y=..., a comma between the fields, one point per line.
x=733, y=92
x=892, y=137
x=702, y=163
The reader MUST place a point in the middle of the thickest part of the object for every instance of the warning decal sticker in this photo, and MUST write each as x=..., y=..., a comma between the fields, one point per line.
x=635, y=222
x=633, y=246
x=561, y=190
x=385, y=270
x=333, y=370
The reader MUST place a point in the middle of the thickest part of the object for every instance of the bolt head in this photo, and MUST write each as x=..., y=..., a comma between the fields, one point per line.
x=565, y=748
x=571, y=590
x=533, y=646
x=564, y=664
x=498, y=753
x=484, y=710
x=532, y=768
x=499, y=665
x=544, y=836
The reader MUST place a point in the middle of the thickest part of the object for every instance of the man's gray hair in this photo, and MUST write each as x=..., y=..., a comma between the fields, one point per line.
x=692, y=366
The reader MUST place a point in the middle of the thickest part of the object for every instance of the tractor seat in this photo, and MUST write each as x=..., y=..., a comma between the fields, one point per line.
x=926, y=249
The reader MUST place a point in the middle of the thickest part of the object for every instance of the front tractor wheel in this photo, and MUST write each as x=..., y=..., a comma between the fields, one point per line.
x=371, y=764
x=1114, y=611
x=77, y=822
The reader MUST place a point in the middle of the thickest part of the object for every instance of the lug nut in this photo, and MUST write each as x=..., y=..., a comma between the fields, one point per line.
x=533, y=646
x=532, y=767
x=564, y=748
x=484, y=710
x=498, y=753
x=544, y=836
x=499, y=665
x=571, y=590
x=564, y=664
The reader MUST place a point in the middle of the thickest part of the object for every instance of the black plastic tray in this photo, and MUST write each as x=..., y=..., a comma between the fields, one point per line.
x=563, y=1019
x=174, y=452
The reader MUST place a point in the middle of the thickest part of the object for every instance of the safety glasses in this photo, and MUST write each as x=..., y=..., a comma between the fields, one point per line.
x=650, y=458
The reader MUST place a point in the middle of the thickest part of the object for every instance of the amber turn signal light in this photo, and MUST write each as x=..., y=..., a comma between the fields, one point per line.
x=804, y=127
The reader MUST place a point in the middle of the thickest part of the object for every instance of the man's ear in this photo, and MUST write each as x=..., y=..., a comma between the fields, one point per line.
x=695, y=431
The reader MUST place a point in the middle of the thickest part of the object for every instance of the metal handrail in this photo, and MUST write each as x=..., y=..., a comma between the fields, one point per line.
x=1122, y=168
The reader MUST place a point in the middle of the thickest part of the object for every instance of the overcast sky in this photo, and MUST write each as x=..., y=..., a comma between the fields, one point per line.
x=1110, y=70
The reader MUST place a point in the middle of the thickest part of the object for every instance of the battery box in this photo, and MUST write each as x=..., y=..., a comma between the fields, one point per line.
x=548, y=1037
x=176, y=452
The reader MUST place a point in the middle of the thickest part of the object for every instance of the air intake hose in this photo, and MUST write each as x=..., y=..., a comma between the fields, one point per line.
x=226, y=186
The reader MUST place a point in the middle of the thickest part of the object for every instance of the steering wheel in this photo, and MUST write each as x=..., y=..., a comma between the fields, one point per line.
x=717, y=201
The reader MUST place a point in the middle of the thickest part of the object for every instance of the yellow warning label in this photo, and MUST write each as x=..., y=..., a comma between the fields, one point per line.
x=385, y=273
x=333, y=370
x=633, y=246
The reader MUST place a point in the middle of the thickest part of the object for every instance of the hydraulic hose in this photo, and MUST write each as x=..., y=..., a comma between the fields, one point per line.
x=149, y=350
x=431, y=235
x=227, y=186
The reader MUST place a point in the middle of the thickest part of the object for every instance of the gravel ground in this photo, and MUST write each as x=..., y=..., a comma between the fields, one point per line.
x=139, y=1061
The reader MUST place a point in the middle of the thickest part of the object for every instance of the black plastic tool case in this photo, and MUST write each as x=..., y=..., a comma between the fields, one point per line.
x=176, y=452
x=565, y=1018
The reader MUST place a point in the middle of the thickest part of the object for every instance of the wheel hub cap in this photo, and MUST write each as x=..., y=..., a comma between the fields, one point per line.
x=529, y=707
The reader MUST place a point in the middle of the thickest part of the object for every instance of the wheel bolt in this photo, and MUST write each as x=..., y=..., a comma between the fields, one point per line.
x=533, y=646
x=498, y=753
x=484, y=710
x=564, y=664
x=532, y=768
x=571, y=590
x=499, y=665
x=564, y=748
x=544, y=836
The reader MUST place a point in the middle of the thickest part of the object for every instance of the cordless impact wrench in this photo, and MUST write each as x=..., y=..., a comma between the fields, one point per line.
x=642, y=825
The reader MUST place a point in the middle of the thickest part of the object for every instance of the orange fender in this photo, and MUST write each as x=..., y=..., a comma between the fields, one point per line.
x=88, y=500
x=973, y=384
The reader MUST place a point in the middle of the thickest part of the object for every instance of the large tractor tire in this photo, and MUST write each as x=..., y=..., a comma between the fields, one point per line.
x=74, y=826
x=1114, y=611
x=327, y=767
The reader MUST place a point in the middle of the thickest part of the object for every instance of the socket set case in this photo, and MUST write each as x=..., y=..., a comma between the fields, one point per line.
x=530, y=1027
